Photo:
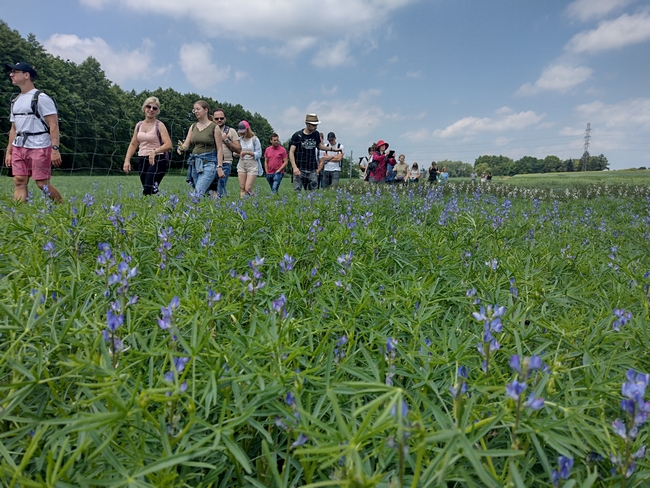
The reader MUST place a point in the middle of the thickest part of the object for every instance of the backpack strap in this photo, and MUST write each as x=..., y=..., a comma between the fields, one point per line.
x=35, y=113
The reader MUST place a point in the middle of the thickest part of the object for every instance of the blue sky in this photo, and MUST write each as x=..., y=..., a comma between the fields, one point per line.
x=437, y=79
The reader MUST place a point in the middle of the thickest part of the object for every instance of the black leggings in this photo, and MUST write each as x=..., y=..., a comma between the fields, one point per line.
x=151, y=176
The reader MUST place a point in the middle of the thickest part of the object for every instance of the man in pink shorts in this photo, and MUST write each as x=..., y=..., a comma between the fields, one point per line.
x=34, y=136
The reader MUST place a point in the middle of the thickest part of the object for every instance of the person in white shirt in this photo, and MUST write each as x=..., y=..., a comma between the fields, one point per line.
x=330, y=162
x=33, y=146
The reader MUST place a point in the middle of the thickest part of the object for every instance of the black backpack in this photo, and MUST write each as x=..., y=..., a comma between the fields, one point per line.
x=35, y=113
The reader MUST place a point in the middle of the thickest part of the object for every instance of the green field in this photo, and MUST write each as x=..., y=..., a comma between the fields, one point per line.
x=368, y=336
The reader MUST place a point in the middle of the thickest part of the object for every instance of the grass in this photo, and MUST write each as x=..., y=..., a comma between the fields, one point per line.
x=324, y=335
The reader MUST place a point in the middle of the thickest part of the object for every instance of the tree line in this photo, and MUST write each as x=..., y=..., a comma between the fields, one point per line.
x=504, y=166
x=96, y=116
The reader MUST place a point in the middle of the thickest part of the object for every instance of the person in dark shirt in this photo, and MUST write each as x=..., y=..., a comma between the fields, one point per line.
x=302, y=154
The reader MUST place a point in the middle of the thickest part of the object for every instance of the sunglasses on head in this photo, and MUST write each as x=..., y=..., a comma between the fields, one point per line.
x=151, y=107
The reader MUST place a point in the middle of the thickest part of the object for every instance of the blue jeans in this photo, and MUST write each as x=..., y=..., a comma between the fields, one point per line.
x=307, y=180
x=274, y=180
x=219, y=184
x=202, y=169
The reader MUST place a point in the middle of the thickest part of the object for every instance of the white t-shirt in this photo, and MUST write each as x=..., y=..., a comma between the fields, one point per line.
x=29, y=123
x=332, y=165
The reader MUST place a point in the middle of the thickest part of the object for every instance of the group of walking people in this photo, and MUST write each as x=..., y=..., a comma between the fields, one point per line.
x=213, y=146
x=380, y=166
x=34, y=149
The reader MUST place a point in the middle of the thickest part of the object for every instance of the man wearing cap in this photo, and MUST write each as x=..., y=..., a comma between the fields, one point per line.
x=302, y=154
x=330, y=162
x=34, y=136
x=230, y=144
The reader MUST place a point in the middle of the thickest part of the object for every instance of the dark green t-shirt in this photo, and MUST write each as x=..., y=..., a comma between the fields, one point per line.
x=203, y=140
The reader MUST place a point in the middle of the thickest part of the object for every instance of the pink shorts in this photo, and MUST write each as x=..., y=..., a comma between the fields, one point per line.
x=36, y=163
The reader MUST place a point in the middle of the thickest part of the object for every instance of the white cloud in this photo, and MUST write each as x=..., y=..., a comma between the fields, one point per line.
x=200, y=71
x=329, y=92
x=287, y=22
x=572, y=132
x=118, y=66
x=413, y=74
x=628, y=114
x=504, y=120
x=502, y=141
x=558, y=77
x=594, y=9
x=333, y=55
x=393, y=60
x=612, y=34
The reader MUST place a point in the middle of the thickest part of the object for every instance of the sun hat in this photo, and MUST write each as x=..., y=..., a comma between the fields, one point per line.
x=312, y=119
x=22, y=66
x=381, y=142
x=243, y=127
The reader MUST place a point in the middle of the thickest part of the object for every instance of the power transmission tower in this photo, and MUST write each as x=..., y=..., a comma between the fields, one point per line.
x=585, y=154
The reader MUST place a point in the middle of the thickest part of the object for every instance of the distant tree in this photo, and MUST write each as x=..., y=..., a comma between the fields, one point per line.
x=456, y=168
x=499, y=165
x=597, y=163
x=527, y=165
x=481, y=168
x=552, y=164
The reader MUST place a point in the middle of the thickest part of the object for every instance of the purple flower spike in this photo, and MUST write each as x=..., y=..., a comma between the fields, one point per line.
x=463, y=372
x=113, y=321
x=515, y=389
x=619, y=428
x=534, y=403
x=301, y=441
x=515, y=363
x=640, y=453
x=290, y=400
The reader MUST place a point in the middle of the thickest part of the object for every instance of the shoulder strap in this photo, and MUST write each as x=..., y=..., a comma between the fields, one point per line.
x=137, y=127
x=158, y=133
x=35, y=111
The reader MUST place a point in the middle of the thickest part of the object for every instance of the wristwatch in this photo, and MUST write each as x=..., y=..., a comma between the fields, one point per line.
x=55, y=147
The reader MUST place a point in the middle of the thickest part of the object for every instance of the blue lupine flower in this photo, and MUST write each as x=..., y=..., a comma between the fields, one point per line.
x=287, y=263
x=301, y=441
x=405, y=409
x=179, y=363
x=515, y=389
x=213, y=297
x=458, y=391
x=534, y=403
x=49, y=247
x=280, y=423
x=290, y=400
x=279, y=304
x=619, y=428
x=622, y=318
x=463, y=372
x=113, y=321
x=565, y=464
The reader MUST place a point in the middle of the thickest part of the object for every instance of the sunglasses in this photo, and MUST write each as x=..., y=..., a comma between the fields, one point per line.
x=151, y=107
x=219, y=118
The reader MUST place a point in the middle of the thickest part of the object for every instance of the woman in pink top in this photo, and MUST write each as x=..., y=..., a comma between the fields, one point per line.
x=153, y=143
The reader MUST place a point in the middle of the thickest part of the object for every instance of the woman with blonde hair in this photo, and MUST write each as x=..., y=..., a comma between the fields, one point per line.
x=249, y=157
x=206, y=159
x=152, y=141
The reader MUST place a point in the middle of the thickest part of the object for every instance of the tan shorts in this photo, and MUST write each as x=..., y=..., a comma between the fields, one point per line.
x=248, y=166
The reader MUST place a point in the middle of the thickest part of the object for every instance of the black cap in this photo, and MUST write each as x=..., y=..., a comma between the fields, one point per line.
x=331, y=135
x=22, y=66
